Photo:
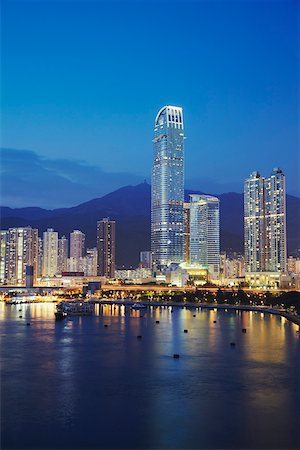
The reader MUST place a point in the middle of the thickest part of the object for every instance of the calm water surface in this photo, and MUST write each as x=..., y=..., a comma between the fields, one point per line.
x=76, y=384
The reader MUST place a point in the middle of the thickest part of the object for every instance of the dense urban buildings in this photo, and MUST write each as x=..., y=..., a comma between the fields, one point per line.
x=167, y=188
x=22, y=251
x=205, y=233
x=265, y=222
x=106, y=239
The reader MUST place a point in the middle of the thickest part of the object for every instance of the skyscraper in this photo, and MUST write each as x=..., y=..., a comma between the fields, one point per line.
x=167, y=187
x=50, y=252
x=205, y=233
x=22, y=252
x=265, y=222
x=106, y=238
x=77, y=246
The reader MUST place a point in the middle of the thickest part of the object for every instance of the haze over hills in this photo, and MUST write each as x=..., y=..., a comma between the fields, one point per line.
x=130, y=207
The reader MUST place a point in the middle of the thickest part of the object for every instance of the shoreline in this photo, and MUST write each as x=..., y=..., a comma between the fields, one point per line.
x=262, y=309
x=291, y=317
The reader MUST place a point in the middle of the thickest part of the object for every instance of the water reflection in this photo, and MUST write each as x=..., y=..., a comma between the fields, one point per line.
x=60, y=378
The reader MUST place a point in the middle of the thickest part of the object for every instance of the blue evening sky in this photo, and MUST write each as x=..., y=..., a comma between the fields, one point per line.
x=82, y=82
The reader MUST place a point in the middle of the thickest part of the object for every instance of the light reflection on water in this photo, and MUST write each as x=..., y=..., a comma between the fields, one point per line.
x=78, y=384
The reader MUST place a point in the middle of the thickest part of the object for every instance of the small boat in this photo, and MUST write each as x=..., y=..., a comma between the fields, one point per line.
x=75, y=308
x=138, y=306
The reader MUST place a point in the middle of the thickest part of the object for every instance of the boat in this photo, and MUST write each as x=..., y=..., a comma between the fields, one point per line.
x=138, y=306
x=75, y=308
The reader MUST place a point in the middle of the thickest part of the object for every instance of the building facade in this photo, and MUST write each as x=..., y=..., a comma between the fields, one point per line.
x=167, y=188
x=63, y=253
x=106, y=248
x=205, y=233
x=145, y=260
x=77, y=250
x=50, y=253
x=186, y=229
x=90, y=262
x=265, y=223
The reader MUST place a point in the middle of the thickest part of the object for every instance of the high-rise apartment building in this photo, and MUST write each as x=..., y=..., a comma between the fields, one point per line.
x=3, y=256
x=106, y=243
x=167, y=188
x=40, y=258
x=265, y=222
x=77, y=247
x=90, y=262
x=63, y=253
x=205, y=233
x=186, y=229
x=22, y=252
x=50, y=252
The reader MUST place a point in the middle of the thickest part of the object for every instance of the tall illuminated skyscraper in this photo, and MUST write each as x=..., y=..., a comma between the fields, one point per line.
x=265, y=222
x=205, y=233
x=167, y=188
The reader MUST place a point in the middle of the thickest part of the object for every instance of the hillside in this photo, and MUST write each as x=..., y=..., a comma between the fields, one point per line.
x=130, y=207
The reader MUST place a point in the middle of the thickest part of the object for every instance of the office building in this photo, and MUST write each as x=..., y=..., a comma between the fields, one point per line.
x=205, y=233
x=106, y=242
x=265, y=223
x=50, y=253
x=167, y=188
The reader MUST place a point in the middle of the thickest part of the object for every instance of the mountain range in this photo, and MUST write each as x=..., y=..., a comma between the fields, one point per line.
x=130, y=207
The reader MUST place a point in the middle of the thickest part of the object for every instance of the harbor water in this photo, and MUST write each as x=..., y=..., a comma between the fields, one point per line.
x=78, y=384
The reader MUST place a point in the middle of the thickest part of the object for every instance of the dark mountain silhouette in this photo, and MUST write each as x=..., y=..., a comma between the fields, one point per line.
x=130, y=207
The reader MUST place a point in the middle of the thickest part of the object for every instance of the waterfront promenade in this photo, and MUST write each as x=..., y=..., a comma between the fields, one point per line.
x=263, y=309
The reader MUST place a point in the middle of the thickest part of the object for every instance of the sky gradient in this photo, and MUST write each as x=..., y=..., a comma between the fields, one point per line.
x=83, y=81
